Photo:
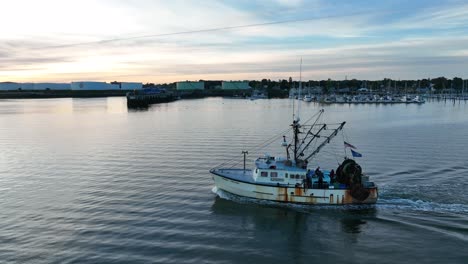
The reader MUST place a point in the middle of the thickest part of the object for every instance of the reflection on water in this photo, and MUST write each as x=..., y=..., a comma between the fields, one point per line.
x=88, y=181
x=111, y=105
x=352, y=220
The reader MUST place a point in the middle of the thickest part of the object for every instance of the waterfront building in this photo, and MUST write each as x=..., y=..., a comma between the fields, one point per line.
x=94, y=86
x=190, y=86
x=10, y=86
x=235, y=85
x=51, y=86
x=13, y=86
x=131, y=86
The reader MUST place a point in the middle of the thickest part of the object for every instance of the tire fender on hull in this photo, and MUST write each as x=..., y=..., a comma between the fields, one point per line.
x=350, y=173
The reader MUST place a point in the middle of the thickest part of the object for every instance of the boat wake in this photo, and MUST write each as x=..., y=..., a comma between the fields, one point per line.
x=420, y=205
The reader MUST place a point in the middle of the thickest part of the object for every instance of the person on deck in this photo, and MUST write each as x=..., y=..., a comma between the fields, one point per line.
x=319, y=174
x=332, y=176
x=309, y=179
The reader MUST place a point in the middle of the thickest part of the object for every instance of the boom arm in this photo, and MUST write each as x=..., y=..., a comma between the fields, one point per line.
x=317, y=150
x=313, y=137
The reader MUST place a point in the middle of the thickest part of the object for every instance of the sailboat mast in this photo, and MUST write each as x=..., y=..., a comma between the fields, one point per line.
x=300, y=90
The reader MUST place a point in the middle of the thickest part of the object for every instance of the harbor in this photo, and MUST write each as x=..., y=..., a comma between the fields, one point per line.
x=234, y=132
x=325, y=92
x=113, y=172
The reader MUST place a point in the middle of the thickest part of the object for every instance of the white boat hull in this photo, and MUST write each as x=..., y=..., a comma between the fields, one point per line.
x=292, y=194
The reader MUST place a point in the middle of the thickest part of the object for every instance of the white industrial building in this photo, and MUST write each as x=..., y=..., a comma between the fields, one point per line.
x=235, y=85
x=93, y=86
x=189, y=86
x=17, y=86
x=88, y=86
x=51, y=86
x=100, y=86
x=10, y=86
x=131, y=86
x=13, y=86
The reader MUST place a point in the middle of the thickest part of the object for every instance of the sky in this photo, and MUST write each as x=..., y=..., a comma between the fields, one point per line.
x=166, y=41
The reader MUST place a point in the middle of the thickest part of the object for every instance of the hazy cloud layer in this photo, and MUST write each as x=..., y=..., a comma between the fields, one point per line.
x=55, y=40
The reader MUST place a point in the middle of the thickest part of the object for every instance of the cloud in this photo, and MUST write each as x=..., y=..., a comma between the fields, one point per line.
x=440, y=17
x=334, y=42
x=290, y=3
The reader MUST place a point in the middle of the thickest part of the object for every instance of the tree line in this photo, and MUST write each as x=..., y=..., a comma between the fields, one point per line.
x=439, y=84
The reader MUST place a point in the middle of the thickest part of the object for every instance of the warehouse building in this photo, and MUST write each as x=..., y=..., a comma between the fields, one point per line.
x=235, y=85
x=51, y=86
x=10, y=86
x=130, y=86
x=13, y=86
x=94, y=86
x=190, y=86
x=21, y=86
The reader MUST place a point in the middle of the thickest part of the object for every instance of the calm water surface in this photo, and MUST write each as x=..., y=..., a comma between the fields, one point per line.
x=87, y=181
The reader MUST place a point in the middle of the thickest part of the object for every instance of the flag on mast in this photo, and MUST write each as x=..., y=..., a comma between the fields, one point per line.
x=356, y=154
x=347, y=145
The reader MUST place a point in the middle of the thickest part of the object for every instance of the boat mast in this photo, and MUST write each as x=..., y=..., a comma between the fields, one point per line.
x=295, y=124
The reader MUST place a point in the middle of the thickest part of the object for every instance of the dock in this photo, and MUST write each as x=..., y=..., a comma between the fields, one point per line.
x=142, y=99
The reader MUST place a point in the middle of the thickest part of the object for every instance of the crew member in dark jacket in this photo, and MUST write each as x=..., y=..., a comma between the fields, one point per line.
x=319, y=174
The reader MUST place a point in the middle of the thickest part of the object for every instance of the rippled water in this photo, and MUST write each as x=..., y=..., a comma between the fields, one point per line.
x=87, y=181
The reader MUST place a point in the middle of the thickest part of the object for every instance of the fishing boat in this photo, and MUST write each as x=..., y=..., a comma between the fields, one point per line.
x=293, y=179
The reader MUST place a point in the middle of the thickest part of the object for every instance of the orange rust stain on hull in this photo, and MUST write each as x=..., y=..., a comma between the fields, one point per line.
x=298, y=191
x=283, y=194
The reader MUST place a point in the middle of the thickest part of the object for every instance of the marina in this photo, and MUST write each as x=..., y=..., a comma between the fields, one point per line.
x=365, y=99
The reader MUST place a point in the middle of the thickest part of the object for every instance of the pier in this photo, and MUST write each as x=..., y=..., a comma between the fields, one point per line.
x=143, y=98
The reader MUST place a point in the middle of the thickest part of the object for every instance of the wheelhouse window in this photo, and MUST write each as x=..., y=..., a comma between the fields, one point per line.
x=264, y=174
x=286, y=175
x=274, y=174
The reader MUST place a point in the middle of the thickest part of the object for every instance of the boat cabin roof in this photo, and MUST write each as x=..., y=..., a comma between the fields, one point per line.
x=278, y=163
